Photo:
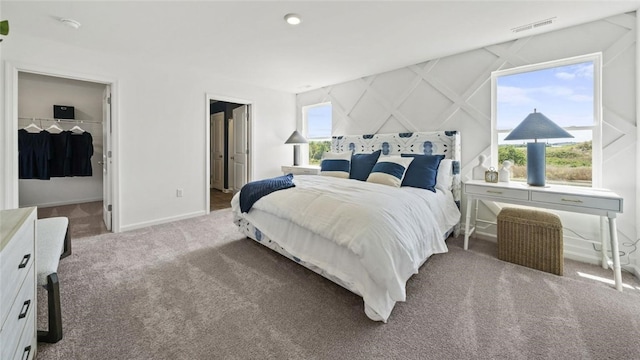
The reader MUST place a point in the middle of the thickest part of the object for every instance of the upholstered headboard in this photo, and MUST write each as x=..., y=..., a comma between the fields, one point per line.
x=429, y=143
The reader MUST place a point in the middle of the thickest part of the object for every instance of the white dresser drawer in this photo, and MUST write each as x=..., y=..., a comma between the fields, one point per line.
x=15, y=261
x=497, y=192
x=583, y=201
x=17, y=321
x=26, y=349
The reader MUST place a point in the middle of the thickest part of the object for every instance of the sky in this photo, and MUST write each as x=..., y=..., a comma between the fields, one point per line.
x=563, y=94
x=319, y=122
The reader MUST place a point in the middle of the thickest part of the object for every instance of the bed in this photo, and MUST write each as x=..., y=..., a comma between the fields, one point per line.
x=366, y=236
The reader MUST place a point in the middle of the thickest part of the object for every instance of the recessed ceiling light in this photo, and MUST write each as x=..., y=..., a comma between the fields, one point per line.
x=293, y=19
x=71, y=23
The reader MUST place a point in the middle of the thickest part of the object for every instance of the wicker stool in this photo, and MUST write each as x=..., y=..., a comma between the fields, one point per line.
x=531, y=238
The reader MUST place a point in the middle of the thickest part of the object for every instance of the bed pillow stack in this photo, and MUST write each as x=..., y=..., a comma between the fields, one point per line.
x=362, y=164
x=336, y=164
x=389, y=170
x=423, y=171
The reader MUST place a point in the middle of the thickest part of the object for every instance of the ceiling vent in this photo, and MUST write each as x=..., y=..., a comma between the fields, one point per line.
x=534, y=25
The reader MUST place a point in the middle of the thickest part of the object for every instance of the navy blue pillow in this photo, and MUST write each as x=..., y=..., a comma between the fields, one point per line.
x=361, y=165
x=423, y=171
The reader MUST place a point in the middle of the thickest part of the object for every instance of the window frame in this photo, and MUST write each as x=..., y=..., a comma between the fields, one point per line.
x=596, y=127
x=305, y=128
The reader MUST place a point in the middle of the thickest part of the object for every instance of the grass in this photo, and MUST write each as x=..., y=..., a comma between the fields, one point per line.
x=569, y=163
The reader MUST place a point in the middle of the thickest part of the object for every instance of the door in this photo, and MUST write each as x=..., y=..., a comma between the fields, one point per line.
x=230, y=162
x=106, y=158
x=217, y=151
x=240, y=147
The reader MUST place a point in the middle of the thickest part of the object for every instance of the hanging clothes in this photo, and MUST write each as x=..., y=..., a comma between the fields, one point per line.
x=81, y=152
x=34, y=153
x=60, y=164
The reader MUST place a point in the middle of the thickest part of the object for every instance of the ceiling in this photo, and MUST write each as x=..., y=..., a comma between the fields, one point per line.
x=337, y=41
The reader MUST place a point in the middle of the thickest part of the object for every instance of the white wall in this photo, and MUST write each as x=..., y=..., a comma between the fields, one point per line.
x=454, y=93
x=160, y=113
x=36, y=96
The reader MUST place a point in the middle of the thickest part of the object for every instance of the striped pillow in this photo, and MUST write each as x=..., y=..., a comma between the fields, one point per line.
x=390, y=170
x=336, y=164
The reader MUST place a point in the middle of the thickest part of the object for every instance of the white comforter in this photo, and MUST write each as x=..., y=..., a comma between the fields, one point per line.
x=391, y=231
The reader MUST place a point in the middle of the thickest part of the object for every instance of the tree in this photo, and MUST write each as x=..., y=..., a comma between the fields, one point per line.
x=509, y=152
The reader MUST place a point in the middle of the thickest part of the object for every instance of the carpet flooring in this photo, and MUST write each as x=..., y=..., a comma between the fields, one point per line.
x=198, y=289
x=85, y=219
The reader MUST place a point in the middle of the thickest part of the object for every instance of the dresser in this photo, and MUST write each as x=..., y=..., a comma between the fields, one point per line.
x=600, y=202
x=18, y=333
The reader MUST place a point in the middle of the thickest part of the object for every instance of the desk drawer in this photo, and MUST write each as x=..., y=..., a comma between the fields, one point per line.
x=583, y=201
x=496, y=192
x=296, y=170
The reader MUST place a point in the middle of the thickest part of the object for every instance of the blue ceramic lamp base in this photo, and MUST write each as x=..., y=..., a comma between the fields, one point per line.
x=296, y=155
x=536, y=163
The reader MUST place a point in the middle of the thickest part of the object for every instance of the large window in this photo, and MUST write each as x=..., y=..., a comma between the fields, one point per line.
x=565, y=91
x=317, y=129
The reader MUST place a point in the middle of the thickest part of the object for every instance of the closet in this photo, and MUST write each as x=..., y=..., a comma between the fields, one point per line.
x=81, y=183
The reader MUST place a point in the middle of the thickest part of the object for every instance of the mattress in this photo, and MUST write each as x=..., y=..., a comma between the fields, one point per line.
x=318, y=249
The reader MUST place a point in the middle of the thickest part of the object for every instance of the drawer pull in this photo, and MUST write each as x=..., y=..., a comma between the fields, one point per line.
x=494, y=192
x=26, y=353
x=25, y=309
x=571, y=200
x=24, y=262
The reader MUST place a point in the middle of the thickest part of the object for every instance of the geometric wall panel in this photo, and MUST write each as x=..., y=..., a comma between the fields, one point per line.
x=454, y=93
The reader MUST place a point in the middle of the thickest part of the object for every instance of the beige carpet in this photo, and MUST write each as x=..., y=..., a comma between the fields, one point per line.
x=197, y=289
x=85, y=219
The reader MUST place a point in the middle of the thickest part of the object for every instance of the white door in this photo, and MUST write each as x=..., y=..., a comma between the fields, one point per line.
x=106, y=158
x=230, y=162
x=217, y=151
x=240, y=147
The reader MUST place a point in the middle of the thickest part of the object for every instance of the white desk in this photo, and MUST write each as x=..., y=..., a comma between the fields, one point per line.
x=601, y=202
x=301, y=169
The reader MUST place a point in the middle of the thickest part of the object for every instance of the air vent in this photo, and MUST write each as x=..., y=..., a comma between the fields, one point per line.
x=534, y=25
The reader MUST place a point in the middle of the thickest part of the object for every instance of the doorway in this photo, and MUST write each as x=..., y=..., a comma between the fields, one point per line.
x=228, y=151
x=87, y=198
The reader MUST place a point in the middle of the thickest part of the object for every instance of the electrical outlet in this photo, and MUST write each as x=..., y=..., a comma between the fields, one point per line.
x=179, y=192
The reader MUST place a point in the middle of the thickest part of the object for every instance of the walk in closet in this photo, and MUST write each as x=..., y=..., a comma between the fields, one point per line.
x=60, y=159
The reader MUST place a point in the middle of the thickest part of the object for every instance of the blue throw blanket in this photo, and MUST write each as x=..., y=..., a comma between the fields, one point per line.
x=253, y=191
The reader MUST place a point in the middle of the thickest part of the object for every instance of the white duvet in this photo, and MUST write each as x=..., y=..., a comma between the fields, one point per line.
x=391, y=231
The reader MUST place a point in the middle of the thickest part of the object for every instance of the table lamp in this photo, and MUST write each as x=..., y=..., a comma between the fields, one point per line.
x=537, y=126
x=296, y=138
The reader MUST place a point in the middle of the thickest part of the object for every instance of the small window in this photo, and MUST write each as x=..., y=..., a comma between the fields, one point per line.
x=565, y=91
x=317, y=128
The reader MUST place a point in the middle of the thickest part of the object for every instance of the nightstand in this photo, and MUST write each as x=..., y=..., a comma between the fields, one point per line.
x=601, y=202
x=301, y=169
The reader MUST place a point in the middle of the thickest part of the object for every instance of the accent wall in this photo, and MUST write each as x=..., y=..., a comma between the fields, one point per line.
x=454, y=93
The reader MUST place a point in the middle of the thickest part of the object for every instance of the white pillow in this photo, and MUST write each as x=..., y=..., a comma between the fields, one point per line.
x=336, y=164
x=444, y=179
x=389, y=170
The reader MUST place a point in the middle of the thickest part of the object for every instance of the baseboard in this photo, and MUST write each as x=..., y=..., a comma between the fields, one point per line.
x=62, y=203
x=161, y=221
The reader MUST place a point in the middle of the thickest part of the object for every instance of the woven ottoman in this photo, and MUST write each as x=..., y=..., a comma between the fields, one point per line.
x=531, y=238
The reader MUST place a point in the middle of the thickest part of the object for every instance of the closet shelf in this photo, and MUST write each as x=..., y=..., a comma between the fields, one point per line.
x=60, y=120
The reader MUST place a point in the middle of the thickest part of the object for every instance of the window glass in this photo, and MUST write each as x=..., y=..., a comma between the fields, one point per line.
x=566, y=93
x=317, y=120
